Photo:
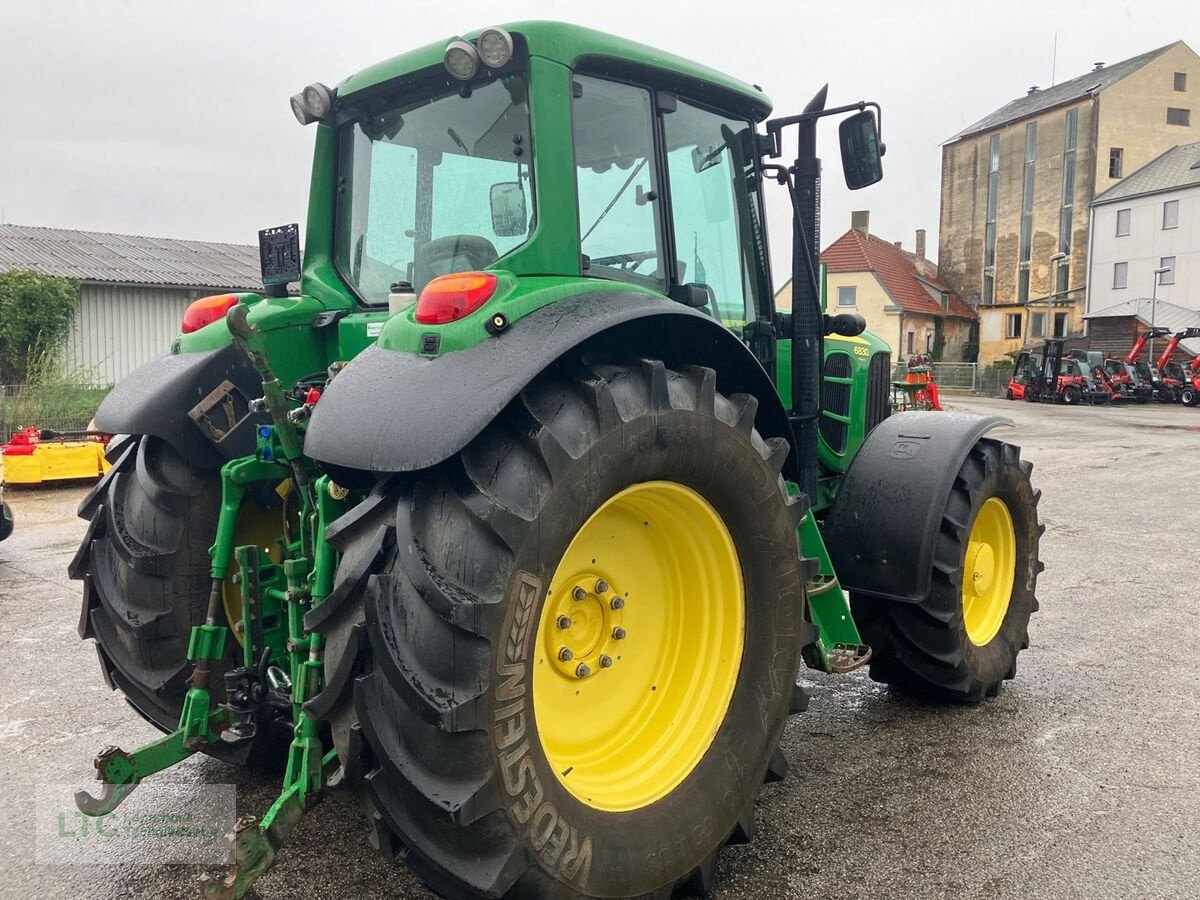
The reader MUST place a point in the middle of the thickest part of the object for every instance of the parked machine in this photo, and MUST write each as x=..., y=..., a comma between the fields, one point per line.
x=1173, y=380
x=36, y=456
x=536, y=569
x=919, y=388
x=1047, y=376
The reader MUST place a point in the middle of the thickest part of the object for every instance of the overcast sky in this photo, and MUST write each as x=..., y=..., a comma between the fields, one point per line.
x=171, y=118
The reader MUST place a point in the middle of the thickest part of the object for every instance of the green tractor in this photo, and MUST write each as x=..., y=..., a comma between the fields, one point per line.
x=520, y=519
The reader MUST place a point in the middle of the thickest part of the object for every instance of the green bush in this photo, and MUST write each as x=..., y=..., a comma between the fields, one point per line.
x=36, y=312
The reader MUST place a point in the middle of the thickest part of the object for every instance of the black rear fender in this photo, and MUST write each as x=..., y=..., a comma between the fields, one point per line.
x=196, y=402
x=399, y=412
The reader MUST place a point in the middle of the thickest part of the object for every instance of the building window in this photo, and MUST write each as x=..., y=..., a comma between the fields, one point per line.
x=1060, y=324
x=1171, y=214
x=1037, y=324
x=1115, y=155
x=847, y=296
x=1168, y=277
x=1120, y=276
x=1178, y=116
x=1068, y=199
x=1123, y=216
x=1027, y=213
x=912, y=337
x=929, y=342
x=989, y=228
x=1012, y=325
x=1181, y=81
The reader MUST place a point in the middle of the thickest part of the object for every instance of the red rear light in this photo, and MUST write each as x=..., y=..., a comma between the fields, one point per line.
x=450, y=297
x=207, y=310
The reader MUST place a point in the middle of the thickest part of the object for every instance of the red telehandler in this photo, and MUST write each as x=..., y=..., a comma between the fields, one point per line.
x=1130, y=378
x=1189, y=394
x=1171, y=379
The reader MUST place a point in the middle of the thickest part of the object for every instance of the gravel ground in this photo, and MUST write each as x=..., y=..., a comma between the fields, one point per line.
x=1079, y=781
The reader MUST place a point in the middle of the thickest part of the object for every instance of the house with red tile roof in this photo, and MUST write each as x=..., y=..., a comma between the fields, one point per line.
x=898, y=293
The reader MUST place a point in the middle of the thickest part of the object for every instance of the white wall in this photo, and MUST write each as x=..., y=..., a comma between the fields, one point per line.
x=119, y=327
x=1144, y=247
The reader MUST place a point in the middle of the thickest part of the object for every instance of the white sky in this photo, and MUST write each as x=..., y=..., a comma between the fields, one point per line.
x=170, y=118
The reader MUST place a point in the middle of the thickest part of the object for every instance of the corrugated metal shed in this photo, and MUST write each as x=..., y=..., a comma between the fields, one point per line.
x=1066, y=92
x=1166, y=315
x=129, y=259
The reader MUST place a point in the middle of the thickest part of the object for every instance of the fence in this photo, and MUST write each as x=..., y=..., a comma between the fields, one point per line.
x=967, y=378
x=59, y=407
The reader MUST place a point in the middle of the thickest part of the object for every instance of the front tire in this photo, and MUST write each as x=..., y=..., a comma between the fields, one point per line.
x=961, y=642
x=472, y=739
x=1071, y=395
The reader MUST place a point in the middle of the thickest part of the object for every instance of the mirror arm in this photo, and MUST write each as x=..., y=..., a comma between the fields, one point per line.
x=776, y=126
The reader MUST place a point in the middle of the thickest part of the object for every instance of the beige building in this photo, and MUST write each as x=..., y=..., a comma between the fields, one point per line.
x=1017, y=184
x=897, y=292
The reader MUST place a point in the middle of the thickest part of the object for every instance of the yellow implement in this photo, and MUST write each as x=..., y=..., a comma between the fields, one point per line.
x=32, y=459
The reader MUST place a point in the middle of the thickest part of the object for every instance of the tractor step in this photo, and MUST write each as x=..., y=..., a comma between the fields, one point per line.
x=845, y=658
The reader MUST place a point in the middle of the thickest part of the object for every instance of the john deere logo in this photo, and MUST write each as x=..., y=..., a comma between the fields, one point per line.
x=905, y=449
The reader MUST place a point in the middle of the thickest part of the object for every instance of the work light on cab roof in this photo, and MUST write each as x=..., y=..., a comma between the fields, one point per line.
x=312, y=104
x=493, y=47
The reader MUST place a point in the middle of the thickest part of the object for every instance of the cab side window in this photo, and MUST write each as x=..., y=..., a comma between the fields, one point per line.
x=616, y=180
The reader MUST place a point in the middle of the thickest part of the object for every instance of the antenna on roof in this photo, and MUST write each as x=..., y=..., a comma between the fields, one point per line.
x=1054, y=59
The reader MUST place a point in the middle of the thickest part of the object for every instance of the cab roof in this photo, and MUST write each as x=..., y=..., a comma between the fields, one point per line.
x=574, y=46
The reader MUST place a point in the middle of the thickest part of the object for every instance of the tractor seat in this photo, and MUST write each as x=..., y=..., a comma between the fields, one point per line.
x=452, y=253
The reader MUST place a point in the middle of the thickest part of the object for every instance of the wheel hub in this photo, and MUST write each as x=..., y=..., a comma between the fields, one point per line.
x=989, y=571
x=586, y=626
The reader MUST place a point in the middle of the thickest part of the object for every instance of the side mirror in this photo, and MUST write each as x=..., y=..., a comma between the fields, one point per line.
x=862, y=153
x=509, y=216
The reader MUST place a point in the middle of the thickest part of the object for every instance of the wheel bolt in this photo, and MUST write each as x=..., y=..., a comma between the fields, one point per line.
x=605, y=660
x=601, y=586
x=583, y=671
x=565, y=654
x=617, y=603
x=579, y=594
x=618, y=633
x=564, y=622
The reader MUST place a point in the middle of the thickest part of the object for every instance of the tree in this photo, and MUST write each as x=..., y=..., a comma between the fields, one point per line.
x=36, y=312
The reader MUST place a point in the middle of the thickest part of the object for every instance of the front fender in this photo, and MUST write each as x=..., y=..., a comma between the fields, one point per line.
x=389, y=411
x=885, y=519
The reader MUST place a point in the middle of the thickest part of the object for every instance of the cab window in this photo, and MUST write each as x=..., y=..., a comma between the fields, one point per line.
x=710, y=167
x=616, y=181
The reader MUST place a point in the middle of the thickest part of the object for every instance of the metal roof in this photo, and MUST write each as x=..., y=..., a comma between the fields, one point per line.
x=1066, y=92
x=1179, y=167
x=1166, y=315
x=128, y=259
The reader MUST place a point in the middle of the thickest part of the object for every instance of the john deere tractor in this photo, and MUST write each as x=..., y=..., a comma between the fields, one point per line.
x=520, y=518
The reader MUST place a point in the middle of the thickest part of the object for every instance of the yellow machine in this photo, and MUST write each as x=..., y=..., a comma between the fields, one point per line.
x=33, y=457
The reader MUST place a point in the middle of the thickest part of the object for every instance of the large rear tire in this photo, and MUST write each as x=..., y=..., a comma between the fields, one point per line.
x=145, y=566
x=474, y=743
x=961, y=642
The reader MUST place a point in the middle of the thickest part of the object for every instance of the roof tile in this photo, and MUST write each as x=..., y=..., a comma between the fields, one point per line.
x=900, y=272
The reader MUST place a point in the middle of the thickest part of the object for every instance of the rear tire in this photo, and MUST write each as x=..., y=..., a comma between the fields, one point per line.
x=1071, y=395
x=145, y=570
x=927, y=648
x=1187, y=396
x=433, y=630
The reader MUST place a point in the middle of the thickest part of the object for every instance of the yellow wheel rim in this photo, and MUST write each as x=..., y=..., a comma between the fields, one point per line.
x=639, y=646
x=989, y=571
x=260, y=527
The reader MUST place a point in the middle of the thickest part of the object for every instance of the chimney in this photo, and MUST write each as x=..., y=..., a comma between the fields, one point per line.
x=1097, y=66
x=860, y=221
x=899, y=245
x=1033, y=89
x=920, y=243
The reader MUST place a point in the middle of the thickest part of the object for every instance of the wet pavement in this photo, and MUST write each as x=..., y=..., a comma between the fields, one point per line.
x=1082, y=780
